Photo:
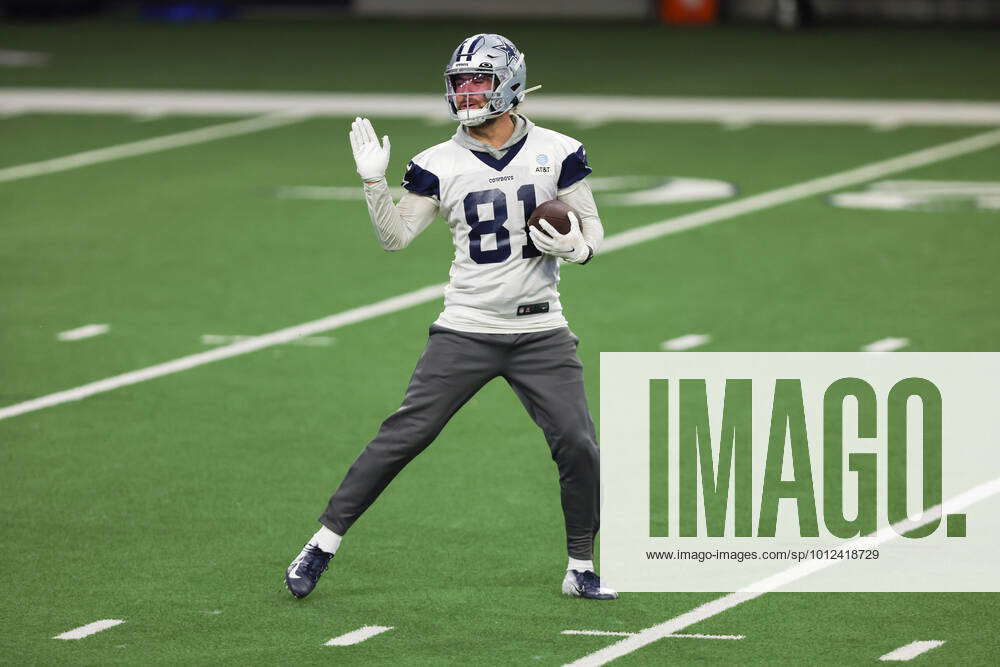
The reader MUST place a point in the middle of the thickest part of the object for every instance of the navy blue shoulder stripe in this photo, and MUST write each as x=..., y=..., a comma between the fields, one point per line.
x=574, y=168
x=420, y=181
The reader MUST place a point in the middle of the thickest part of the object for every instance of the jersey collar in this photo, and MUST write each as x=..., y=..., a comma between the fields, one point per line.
x=495, y=157
x=501, y=163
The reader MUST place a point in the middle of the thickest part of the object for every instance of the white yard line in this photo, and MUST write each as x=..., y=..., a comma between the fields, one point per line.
x=910, y=651
x=344, y=318
x=783, y=578
x=599, y=109
x=685, y=342
x=145, y=146
x=226, y=339
x=803, y=190
x=612, y=243
x=86, y=331
x=886, y=345
x=90, y=629
x=348, y=193
x=358, y=636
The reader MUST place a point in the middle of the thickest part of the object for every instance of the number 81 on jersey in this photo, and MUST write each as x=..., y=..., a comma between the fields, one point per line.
x=478, y=228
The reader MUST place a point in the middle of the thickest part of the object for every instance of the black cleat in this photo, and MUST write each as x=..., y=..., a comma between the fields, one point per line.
x=302, y=575
x=586, y=585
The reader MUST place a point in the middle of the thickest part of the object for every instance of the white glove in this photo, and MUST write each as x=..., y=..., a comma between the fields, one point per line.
x=571, y=246
x=370, y=158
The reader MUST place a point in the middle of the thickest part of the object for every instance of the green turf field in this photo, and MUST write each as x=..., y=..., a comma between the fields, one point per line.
x=175, y=504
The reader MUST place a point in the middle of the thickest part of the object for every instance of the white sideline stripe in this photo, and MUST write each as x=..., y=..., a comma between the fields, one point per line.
x=611, y=633
x=685, y=342
x=145, y=146
x=589, y=110
x=783, y=578
x=358, y=636
x=910, y=651
x=346, y=317
x=612, y=243
x=90, y=629
x=886, y=345
x=86, y=331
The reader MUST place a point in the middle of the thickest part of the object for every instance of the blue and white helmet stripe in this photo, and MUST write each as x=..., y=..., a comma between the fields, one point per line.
x=487, y=54
x=467, y=49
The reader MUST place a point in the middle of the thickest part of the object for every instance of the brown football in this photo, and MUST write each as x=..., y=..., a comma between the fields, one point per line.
x=554, y=212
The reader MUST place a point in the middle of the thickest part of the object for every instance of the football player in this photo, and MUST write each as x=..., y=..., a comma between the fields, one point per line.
x=502, y=316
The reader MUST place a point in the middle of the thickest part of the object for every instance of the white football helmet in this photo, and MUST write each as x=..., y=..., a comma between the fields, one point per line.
x=485, y=56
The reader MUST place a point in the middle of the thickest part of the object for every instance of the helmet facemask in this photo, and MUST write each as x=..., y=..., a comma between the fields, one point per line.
x=471, y=95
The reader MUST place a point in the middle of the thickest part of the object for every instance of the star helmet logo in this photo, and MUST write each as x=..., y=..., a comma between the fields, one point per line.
x=507, y=49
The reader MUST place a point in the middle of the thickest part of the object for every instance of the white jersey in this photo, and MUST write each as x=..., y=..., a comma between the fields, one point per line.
x=499, y=282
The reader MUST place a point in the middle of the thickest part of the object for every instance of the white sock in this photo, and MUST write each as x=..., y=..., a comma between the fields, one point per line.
x=580, y=565
x=326, y=539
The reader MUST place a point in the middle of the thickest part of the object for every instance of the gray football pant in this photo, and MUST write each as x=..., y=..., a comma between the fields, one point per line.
x=545, y=373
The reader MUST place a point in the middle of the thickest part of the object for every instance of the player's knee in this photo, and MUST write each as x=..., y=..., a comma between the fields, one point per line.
x=577, y=446
x=591, y=455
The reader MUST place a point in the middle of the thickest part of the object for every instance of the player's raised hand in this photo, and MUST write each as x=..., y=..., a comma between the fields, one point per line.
x=570, y=246
x=370, y=158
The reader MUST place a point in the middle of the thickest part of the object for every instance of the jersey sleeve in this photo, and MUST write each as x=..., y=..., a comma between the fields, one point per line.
x=574, y=168
x=421, y=181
